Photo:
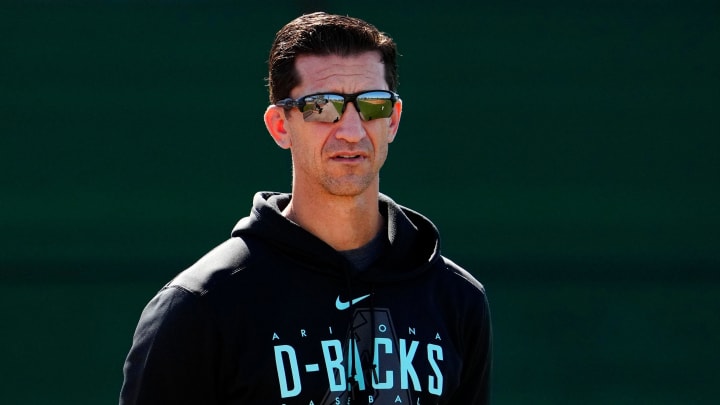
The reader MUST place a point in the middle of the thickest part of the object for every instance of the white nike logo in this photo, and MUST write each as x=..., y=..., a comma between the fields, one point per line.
x=339, y=304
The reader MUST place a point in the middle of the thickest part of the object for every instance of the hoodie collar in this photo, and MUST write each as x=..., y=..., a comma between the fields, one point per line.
x=414, y=241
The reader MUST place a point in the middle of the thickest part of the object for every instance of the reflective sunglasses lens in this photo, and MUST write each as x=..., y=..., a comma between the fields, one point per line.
x=375, y=104
x=322, y=108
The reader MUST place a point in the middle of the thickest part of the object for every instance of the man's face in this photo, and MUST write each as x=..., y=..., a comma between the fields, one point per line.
x=342, y=158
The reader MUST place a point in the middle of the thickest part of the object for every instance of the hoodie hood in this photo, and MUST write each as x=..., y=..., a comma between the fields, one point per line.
x=414, y=245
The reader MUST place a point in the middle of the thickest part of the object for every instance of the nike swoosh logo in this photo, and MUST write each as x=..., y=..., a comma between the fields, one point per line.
x=339, y=304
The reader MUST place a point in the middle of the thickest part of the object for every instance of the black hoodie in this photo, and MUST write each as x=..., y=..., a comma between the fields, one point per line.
x=276, y=316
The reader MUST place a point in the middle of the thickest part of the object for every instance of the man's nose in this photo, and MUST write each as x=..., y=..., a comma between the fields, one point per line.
x=350, y=125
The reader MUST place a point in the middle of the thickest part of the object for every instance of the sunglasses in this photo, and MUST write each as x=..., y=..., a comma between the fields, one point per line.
x=329, y=107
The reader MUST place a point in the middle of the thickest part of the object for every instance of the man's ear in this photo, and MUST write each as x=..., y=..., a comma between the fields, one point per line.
x=275, y=124
x=394, y=122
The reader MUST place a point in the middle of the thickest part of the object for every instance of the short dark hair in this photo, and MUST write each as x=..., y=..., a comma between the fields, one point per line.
x=325, y=34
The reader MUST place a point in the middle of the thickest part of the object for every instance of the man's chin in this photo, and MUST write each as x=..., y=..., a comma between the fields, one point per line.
x=348, y=186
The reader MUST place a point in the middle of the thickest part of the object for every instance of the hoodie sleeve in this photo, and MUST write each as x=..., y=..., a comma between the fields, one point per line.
x=171, y=360
x=475, y=379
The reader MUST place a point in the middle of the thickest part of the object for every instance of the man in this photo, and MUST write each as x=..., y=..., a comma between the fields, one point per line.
x=332, y=294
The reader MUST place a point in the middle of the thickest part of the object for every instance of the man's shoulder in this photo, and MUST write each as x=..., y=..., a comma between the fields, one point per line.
x=462, y=275
x=218, y=266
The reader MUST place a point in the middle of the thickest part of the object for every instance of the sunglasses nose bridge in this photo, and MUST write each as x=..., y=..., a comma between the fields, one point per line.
x=352, y=100
x=348, y=100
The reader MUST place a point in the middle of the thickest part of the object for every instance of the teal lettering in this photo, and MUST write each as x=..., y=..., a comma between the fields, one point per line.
x=355, y=363
x=388, y=383
x=333, y=364
x=406, y=368
x=285, y=390
x=435, y=383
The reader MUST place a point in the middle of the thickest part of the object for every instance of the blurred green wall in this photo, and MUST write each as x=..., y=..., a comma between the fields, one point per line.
x=567, y=150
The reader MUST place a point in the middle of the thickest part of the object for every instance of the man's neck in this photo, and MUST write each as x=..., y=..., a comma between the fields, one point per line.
x=342, y=222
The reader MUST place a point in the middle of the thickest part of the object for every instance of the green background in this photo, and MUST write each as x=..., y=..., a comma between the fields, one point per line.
x=567, y=151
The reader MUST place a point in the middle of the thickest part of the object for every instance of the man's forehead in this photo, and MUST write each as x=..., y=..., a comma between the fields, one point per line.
x=327, y=72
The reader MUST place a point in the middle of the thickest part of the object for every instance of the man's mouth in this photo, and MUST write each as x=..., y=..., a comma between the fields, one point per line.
x=348, y=156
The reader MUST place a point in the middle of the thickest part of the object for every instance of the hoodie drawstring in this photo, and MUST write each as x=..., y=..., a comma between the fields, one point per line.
x=369, y=369
x=349, y=369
